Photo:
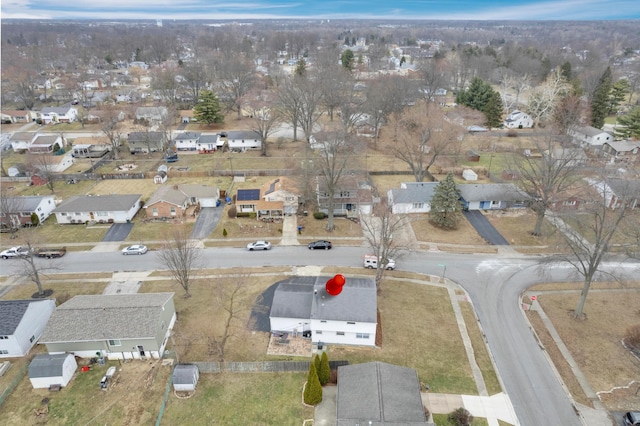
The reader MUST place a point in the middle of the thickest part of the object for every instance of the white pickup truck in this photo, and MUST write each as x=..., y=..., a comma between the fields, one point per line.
x=371, y=262
x=14, y=252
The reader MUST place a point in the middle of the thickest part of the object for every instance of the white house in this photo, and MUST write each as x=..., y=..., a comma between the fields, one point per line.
x=20, y=141
x=16, y=211
x=208, y=143
x=411, y=197
x=64, y=114
x=152, y=114
x=98, y=208
x=46, y=144
x=492, y=196
x=241, y=141
x=22, y=323
x=47, y=370
x=187, y=141
x=280, y=194
x=518, y=120
x=589, y=137
x=117, y=326
x=303, y=304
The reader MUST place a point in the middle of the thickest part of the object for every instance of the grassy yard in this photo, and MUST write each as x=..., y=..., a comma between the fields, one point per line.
x=465, y=234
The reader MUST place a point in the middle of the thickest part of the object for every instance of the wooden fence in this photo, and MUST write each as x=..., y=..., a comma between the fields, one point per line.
x=260, y=366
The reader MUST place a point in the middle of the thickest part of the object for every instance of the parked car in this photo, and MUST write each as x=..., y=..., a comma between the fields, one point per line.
x=259, y=245
x=371, y=262
x=14, y=252
x=134, y=249
x=631, y=418
x=321, y=244
x=51, y=253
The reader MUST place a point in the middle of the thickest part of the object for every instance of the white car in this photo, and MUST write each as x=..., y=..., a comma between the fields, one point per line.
x=259, y=245
x=134, y=249
x=14, y=252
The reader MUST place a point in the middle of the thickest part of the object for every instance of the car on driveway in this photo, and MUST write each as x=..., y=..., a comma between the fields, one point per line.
x=14, y=252
x=259, y=245
x=134, y=249
x=320, y=245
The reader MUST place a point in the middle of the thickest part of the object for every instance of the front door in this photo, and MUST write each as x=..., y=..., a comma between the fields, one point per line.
x=141, y=350
x=91, y=215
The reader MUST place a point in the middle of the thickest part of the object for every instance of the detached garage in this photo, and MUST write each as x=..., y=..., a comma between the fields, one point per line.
x=185, y=378
x=47, y=370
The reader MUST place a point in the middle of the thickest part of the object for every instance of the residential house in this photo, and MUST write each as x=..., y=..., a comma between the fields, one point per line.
x=305, y=304
x=622, y=151
x=22, y=323
x=48, y=371
x=179, y=200
x=153, y=115
x=351, y=198
x=209, y=143
x=518, y=120
x=20, y=141
x=187, y=141
x=379, y=393
x=187, y=116
x=589, y=137
x=571, y=157
x=115, y=326
x=46, y=144
x=63, y=114
x=17, y=116
x=92, y=147
x=617, y=191
x=115, y=208
x=16, y=212
x=279, y=198
x=146, y=142
x=411, y=197
x=50, y=163
x=243, y=140
x=247, y=200
x=492, y=196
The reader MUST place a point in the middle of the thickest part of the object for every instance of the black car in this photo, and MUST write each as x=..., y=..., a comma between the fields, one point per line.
x=325, y=245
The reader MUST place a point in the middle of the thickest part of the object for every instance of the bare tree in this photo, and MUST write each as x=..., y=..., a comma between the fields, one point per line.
x=182, y=257
x=43, y=165
x=112, y=129
x=289, y=103
x=378, y=230
x=164, y=83
x=548, y=178
x=266, y=119
x=591, y=234
x=422, y=136
x=29, y=266
x=236, y=77
x=195, y=78
x=11, y=209
x=386, y=96
x=310, y=100
x=546, y=96
x=333, y=161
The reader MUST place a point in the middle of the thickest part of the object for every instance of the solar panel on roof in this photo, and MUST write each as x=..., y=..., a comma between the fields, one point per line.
x=248, y=194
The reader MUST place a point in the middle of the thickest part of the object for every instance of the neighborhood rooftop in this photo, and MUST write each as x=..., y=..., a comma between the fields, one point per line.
x=98, y=203
x=11, y=313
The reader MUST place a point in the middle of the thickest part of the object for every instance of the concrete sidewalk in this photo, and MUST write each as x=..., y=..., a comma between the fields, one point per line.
x=493, y=408
x=290, y=231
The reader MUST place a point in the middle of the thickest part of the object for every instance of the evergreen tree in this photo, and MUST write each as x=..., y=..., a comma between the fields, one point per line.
x=324, y=372
x=565, y=70
x=600, y=99
x=493, y=110
x=208, y=109
x=301, y=68
x=316, y=362
x=445, y=205
x=619, y=92
x=629, y=124
x=477, y=95
x=347, y=59
x=313, y=389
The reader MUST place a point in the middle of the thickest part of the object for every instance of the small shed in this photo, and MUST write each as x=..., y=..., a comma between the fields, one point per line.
x=468, y=174
x=160, y=177
x=510, y=175
x=473, y=156
x=185, y=377
x=52, y=370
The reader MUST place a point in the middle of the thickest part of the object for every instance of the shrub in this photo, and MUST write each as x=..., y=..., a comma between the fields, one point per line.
x=313, y=389
x=319, y=215
x=35, y=220
x=632, y=336
x=224, y=232
x=460, y=417
x=324, y=373
x=233, y=212
x=316, y=363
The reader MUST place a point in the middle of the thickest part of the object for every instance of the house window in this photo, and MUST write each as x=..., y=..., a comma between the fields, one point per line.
x=173, y=211
x=155, y=211
x=102, y=214
x=344, y=194
x=324, y=322
x=63, y=214
x=32, y=339
x=569, y=203
x=339, y=333
x=362, y=335
x=351, y=323
x=418, y=205
x=4, y=352
x=318, y=331
x=78, y=214
x=115, y=342
x=25, y=214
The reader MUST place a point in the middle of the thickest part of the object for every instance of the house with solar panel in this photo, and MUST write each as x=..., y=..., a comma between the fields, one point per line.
x=21, y=324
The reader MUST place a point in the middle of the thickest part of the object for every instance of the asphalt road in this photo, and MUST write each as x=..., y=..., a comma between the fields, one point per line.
x=493, y=283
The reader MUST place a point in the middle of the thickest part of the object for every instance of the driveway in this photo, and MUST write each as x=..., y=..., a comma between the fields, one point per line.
x=485, y=228
x=118, y=232
x=207, y=221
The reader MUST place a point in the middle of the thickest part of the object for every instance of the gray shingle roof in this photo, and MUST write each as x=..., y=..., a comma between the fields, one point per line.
x=491, y=192
x=178, y=194
x=243, y=134
x=56, y=110
x=144, y=136
x=101, y=317
x=28, y=203
x=23, y=136
x=98, y=203
x=188, y=136
x=45, y=139
x=414, y=194
x=185, y=374
x=382, y=393
x=47, y=365
x=306, y=297
x=588, y=130
x=11, y=313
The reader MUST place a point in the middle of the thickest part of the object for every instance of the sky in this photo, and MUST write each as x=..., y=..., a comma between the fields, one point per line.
x=323, y=9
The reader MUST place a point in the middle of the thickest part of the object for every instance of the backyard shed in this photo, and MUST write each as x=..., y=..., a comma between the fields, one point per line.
x=48, y=370
x=185, y=377
x=468, y=174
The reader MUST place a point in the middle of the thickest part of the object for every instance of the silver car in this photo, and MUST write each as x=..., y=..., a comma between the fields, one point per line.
x=259, y=245
x=134, y=249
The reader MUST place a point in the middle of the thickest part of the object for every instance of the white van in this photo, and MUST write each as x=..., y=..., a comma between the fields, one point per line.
x=371, y=262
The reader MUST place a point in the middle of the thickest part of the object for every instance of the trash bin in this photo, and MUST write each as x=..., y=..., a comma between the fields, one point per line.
x=305, y=213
